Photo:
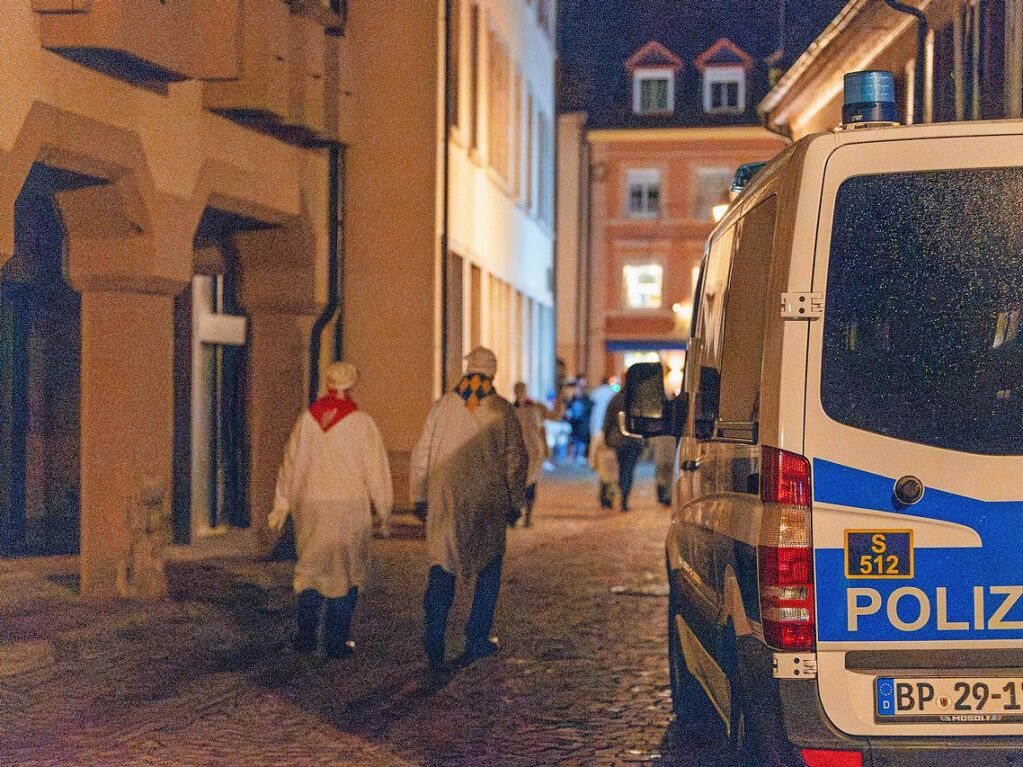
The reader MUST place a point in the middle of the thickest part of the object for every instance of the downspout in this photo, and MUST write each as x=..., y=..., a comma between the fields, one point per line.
x=334, y=310
x=445, y=168
x=585, y=235
x=555, y=180
x=921, y=54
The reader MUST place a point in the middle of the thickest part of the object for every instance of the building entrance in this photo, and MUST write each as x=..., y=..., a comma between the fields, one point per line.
x=40, y=370
x=212, y=452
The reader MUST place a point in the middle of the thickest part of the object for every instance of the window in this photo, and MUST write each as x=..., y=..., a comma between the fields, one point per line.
x=724, y=89
x=498, y=106
x=454, y=62
x=529, y=150
x=711, y=188
x=545, y=13
x=653, y=91
x=643, y=284
x=724, y=95
x=545, y=169
x=710, y=309
x=475, y=20
x=746, y=315
x=515, y=142
x=924, y=293
x=643, y=193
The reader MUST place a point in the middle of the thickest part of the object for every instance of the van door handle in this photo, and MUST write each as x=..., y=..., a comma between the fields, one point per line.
x=689, y=465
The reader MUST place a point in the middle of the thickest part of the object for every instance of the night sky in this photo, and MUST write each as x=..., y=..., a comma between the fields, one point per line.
x=597, y=36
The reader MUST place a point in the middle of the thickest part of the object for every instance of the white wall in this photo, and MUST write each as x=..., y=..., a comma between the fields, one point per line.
x=488, y=224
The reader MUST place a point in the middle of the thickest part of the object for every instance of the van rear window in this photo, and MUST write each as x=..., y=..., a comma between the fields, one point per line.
x=923, y=338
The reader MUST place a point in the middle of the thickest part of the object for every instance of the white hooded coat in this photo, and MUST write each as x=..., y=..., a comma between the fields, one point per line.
x=470, y=468
x=327, y=482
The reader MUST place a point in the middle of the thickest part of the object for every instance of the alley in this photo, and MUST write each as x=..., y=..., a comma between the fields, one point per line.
x=208, y=677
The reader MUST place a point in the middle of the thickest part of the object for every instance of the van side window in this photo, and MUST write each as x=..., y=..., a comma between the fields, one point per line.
x=710, y=330
x=746, y=316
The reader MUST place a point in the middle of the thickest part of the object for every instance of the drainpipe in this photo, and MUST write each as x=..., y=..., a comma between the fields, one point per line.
x=921, y=54
x=334, y=310
x=445, y=171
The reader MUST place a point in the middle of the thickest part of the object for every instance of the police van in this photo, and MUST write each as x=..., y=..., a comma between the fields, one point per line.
x=845, y=552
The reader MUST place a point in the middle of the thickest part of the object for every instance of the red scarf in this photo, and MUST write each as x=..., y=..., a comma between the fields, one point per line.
x=330, y=409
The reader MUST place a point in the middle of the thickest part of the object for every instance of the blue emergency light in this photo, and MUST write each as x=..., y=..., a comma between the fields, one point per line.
x=869, y=98
x=743, y=175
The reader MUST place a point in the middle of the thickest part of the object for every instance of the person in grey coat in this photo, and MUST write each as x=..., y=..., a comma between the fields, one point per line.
x=469, y=472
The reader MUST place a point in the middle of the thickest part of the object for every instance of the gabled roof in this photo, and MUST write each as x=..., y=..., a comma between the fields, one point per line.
x=724, y=53
x=653, y=55
x=597, y=37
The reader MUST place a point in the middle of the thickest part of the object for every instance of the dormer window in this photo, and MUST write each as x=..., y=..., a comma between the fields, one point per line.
x=724, y=89
x=724, y=67
x=653, y=92
x=653, y=68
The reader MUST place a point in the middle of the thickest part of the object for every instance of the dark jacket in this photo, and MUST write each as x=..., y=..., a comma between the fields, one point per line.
x=613, y=435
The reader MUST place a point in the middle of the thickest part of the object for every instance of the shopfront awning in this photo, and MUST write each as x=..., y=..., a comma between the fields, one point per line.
x=646, y=345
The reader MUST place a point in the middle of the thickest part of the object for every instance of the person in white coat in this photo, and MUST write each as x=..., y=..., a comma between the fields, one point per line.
x=469, y=472
x=334, y=474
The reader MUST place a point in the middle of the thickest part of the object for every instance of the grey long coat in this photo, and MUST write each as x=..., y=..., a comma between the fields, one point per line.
x=470, y=468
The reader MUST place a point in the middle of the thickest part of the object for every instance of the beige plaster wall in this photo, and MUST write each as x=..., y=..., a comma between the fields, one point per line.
x=178, y=136
x=391, y=292
x=163, y=158
x=573, y=239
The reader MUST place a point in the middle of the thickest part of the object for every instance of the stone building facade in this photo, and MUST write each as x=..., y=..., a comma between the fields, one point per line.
x=164, y=237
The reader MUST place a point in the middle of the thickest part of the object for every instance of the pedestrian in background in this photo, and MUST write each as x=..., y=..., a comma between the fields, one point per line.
x=602, y=458
x=469, y=469
x=531, y=417
x=559, y=429
x=334, y=474
x=664, y=466
x=627, y=449
x=577, y=414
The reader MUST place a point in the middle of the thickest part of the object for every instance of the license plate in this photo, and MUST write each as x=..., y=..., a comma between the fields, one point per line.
x=948, y=699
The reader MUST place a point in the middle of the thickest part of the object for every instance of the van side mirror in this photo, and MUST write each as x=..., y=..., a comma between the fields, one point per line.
x=708, y=399
x=648, y=411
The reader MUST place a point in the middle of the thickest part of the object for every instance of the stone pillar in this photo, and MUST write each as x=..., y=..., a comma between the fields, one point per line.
x=278, y=382
x=126, y=424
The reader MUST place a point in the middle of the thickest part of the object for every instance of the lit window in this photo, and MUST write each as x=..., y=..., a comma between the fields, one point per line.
x=643, y=193
x=724, y=89
x=643, y=285
x=711, y=189
x=653, y=91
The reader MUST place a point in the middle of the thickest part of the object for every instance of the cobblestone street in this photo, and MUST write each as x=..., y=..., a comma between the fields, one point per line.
x=208, y=677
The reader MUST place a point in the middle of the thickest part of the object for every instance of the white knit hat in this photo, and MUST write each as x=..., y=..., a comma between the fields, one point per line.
x=340, y=376
x=481, y=360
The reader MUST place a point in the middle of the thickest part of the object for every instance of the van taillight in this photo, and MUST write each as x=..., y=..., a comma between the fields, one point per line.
x=785, y=552
x=815, y=757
